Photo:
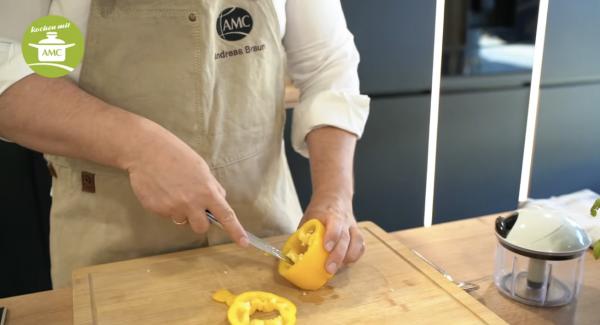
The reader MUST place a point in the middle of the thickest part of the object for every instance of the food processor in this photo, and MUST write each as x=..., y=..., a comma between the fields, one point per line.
x=539, y=256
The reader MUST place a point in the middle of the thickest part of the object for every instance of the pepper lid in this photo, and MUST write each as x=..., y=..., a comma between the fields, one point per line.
x=51, y=38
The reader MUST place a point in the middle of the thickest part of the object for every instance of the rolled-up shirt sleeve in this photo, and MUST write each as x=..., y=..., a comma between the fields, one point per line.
x=12, y=65
x=323, y=62
x=15, y=17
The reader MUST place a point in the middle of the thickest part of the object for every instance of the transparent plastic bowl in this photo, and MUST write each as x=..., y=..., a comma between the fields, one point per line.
x=539, y=280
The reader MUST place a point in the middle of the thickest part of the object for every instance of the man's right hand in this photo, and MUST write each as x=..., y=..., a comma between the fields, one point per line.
x=169, y=178
x=172, y=180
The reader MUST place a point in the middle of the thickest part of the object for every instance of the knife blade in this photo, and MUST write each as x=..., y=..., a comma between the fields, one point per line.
x=256, y=242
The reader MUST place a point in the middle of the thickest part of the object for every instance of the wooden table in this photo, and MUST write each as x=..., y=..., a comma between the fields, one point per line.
x=464, y=248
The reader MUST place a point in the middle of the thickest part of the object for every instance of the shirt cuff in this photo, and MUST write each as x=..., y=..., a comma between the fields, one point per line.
x=12, y=64
x=339, y=109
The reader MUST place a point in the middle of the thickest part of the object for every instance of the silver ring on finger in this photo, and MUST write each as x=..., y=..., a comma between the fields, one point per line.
x=179, y=223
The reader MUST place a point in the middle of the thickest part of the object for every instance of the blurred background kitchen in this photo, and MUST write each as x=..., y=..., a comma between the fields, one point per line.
x=486, y=74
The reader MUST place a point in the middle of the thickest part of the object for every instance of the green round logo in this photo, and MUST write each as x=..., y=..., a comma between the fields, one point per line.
x=52, y=46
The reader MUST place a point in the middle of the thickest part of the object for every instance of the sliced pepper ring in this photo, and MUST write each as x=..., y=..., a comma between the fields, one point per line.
x=305, y=249
x=241, y=307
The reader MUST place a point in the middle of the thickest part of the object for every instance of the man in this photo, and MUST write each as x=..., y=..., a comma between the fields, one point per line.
x=169, y=116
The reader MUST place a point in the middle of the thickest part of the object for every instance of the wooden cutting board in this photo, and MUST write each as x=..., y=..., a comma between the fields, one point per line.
x=389, y=285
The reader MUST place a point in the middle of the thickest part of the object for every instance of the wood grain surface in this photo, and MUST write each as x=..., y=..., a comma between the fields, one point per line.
x=389, y=285
x=464, y=248
x=52, y=307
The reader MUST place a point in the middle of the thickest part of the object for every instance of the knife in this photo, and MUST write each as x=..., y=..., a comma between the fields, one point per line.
x=255, y=241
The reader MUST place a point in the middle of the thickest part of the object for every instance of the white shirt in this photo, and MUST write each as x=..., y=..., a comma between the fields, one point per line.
x=322, y=58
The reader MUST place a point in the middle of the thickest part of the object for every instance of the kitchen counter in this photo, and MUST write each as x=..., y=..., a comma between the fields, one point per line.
x=464, y=248
x=47, y=307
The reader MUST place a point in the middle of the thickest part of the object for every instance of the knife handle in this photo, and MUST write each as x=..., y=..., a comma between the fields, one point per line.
x=213, y=220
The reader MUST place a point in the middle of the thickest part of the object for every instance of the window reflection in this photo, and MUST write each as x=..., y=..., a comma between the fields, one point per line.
x=483, y=37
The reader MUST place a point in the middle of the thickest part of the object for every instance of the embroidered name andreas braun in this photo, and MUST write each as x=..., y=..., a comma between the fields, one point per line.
x=239, y=51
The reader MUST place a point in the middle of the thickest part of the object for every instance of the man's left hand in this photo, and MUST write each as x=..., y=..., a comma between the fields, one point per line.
x=342, y=239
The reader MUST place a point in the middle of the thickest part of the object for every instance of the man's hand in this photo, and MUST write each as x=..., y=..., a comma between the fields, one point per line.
x=173, y=181
x=168, y=177
x=331, y=153
x=342, y=239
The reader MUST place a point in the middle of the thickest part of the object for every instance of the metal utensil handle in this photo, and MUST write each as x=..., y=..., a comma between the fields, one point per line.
x=255, y=241
x=213, y=220
x=267, y=248
x=466, y=286
x=430, y=263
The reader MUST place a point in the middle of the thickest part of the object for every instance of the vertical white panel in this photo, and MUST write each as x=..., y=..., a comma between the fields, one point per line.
x=534, y=96
x=436, y=76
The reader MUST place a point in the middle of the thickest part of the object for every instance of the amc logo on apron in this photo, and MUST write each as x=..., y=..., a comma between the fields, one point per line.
x=234, y=24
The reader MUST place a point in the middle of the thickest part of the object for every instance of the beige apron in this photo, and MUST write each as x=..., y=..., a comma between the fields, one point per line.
x=182, y=64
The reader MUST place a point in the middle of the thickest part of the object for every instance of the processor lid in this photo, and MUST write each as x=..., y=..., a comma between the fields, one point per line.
x=542, y=232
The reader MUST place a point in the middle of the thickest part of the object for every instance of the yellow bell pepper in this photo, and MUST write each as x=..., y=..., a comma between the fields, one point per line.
x=305, y=249
x=223, y=295
x=241, y=307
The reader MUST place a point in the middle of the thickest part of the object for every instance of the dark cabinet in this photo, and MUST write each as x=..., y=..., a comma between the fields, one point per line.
x=567, y=145
x=572, y=41
x=566, y=156
x=395, y=41
x=480, y=150
x=391, y=163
